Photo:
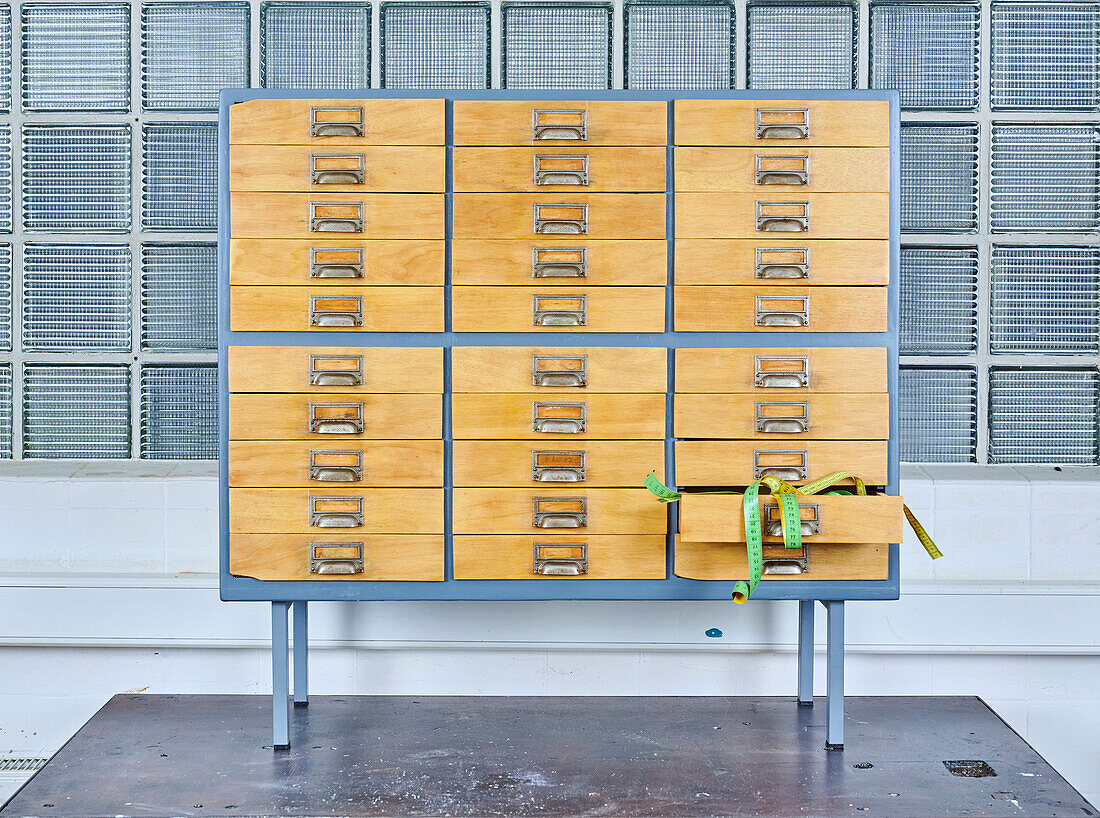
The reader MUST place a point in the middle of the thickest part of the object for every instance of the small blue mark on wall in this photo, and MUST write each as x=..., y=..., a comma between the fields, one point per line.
x=714, y=633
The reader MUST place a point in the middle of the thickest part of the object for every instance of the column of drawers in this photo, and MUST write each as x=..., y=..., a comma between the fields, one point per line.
x=782, y=226
x=335, y=461
x=559, y=226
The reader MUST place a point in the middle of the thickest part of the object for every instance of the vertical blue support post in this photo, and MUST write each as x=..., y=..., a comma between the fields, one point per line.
x=280, y=675
x=301, y=653
x=805, y=653
x=834, y=716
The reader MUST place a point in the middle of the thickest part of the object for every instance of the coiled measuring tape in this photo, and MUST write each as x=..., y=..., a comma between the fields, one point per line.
x=790, y=518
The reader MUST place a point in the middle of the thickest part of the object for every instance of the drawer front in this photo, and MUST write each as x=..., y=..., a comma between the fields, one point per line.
x=524, y=464
x=561, y=509
x=558, y=309
x=760, y=170
x=797, y=262
x=825, y=518
x=409, y=557
x=781, y=371
x=558, y=417
x=339, y=511
x=596, y=215
x=339, y=464
x=336, y=369
x=305, y=168
x=789, y=123
x=337, y=263
x=546, y=556
x=581, y=169
x=334, y=416
x=327, y=122
x=560, y=122
x=365, y=309
x=781, y=309
x=793, y=215
x=336, y=215
x=812, y=417
x=739, y=462
x=559, y=260
x=566, y=370
x=717, y=560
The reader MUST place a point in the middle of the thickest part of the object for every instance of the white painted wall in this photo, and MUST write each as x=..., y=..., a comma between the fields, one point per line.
x=107, y=585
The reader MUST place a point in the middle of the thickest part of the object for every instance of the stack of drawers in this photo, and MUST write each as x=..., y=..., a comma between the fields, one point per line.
x=782, y=226
x=335, y=456
x=559, y=226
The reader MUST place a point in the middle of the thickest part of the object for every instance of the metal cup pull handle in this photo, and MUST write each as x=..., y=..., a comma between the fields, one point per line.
x=339, y=120
x=782, y=123
x=781, y=371
x=783, y=417
x=336, y=262
x=783, y=217
x=336, y=217
x=336, y=512
x=564, y=218
x=559, y=370
x=782, y=169
x=559, y=466
x=559, y=123
x=782, y=310
x=560, y=559
x=333, y=168
x=809, y=513
x=559, y=310
x=336, y=310
x=336, y=558
x=764, y=465
x=559, y=418
x=559, y=512
x=787, y=566
x=782, y=262
x=335, y=370
x=328, y=466
x=561, y=169
x=336, y=418
x=559, y=262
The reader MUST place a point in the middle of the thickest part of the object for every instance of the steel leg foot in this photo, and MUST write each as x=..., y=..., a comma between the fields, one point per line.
x=280, y=675
x=834, y=722
x=301, y=654
x=805, y=653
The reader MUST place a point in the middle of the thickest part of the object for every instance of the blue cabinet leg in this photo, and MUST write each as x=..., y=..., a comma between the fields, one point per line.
x=806, y=653
x=301, y=653
x=280, y=675
x=834, y=722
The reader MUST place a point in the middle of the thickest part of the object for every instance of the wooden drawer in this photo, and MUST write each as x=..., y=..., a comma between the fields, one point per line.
x=559, y=417
x=788, y=123
x=526, y=464
x=333, y=416
x=322, y=511
x=751, y=417
x=825, y=518
x=780, y=309
x=336, y=463
x=526, y=170
x=781, y=371
x=336, y=263
x=306, y=168
x=335, y=557
x=560, y=122
x=596, y=215
x=717, y=560
x=562, y=509
x=558, y=309
x=336, y=215
x=762, y=170
x=559, y=260
x=739, y=462
x=337, y=122
x=551, y=556
x=559, y=369
x=781, y=261
x=364, y=309
x=336, y=369
x=793, y=215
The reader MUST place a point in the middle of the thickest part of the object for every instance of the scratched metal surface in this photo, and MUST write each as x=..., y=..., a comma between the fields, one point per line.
x=552, y=756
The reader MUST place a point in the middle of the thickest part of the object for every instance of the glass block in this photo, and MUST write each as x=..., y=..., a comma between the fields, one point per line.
x=179, y=297
x=678, y=45
x=181, y=177
x=6, y=203
x=435, y=45
x=76, y=57
x=76, y=411
x=5, y=58
x=938, y=414
x=939, y=178
x=939, y=300
x=315, y=45
x=5, y=297
x=556, y=45
x=928, y=52
x=1045, y=55
x=190, y=51
x=76, y=297
x=5, y=411
x=1046, y=416
x=1045, y=299
x=179, y=412
x=1045, y=178
x=76, y=178
x=802, y=45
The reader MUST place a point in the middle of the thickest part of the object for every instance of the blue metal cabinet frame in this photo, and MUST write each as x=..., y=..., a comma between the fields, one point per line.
x=287, y=595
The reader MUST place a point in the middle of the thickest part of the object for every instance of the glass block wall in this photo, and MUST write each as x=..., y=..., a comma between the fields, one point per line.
x=108, y=186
